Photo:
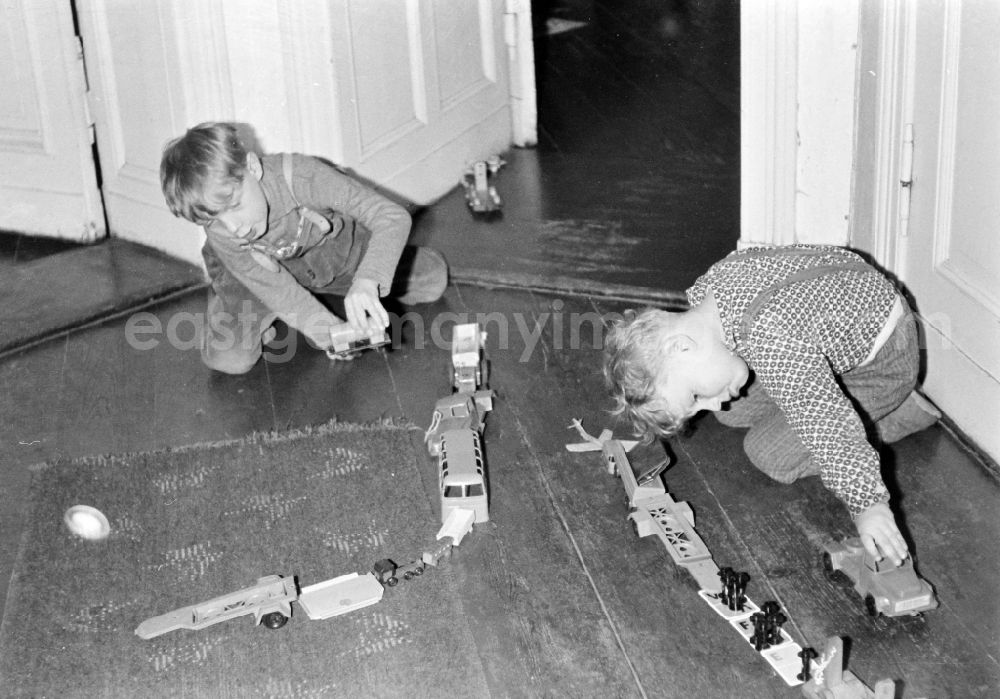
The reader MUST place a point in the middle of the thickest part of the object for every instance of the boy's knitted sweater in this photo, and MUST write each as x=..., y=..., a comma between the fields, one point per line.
x=800, y=337
x=345, y=202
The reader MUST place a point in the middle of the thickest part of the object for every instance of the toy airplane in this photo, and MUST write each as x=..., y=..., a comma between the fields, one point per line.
x=592, y=443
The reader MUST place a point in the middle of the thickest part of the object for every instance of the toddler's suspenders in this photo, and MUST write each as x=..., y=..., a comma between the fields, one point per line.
x=802, y=275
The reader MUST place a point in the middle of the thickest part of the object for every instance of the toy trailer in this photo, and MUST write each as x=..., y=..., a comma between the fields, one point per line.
x=455, y=412
x=467, y=357
x=887, y=589
x=270, y=602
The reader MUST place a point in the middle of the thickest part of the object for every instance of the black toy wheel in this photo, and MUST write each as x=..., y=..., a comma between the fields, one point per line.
x=392, y=582
x=408, y=575
x=870, y=605
x=274, y=620
x=419, y=570
x=828, y=563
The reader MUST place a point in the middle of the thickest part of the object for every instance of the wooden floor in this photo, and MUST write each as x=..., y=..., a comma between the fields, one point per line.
x=562, y=598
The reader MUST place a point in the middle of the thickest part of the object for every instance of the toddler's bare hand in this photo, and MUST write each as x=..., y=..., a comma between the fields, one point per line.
x=880, y=535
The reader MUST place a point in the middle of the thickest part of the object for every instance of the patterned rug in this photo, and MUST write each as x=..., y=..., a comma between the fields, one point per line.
x=191, y=524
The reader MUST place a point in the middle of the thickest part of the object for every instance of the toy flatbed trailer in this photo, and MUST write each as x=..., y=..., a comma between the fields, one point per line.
x=270, y=602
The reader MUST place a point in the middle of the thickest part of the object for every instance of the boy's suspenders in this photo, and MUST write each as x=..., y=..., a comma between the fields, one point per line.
x=286, y=168
x=802, y=275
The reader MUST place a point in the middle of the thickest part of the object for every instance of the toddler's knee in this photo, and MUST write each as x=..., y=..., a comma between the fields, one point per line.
x=781, y=461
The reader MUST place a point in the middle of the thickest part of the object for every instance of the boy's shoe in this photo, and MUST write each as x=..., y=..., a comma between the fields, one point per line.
x=914, y=414
x=424, y=276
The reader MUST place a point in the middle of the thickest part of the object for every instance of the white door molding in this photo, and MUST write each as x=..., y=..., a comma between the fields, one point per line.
x=768, y=102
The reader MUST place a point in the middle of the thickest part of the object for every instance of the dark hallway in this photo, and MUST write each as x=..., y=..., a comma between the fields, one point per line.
x=634, y=186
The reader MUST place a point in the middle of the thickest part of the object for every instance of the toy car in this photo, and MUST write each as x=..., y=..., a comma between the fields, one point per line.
x=480, y=193
x=887, y=588
x=347, y=341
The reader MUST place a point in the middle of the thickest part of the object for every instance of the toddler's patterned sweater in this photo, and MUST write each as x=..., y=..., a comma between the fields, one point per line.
x=805, y=326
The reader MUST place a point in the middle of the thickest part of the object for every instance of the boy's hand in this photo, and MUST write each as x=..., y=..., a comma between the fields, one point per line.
x=364, y=310
x=877, y=527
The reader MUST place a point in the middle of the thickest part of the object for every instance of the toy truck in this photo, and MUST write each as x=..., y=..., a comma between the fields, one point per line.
x=480, y=193
x=467, y=357
x=887, y=588
x=270, y=602
x=388, y=573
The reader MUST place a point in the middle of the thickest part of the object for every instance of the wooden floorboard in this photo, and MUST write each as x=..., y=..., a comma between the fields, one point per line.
x=560, y=594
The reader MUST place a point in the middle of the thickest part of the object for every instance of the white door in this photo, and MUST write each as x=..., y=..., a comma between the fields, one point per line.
x=406, y=94
x=48, y=184
x=951, y=259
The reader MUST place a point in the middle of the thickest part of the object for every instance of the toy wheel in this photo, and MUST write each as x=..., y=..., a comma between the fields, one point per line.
x=828, y=563
x=408, y=575
x=274, y=620
x=419, y=570
x=870, y=605
x=392, y=582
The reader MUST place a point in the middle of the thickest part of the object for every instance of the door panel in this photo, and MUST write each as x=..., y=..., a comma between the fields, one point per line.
x=48, y=185
x=953, y=250
x=423, y=90
x=135, y=100
x=406, y=93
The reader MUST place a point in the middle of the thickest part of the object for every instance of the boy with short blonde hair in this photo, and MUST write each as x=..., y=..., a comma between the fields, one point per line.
x=808, y=347
x=280, y=229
